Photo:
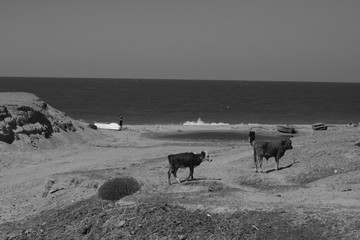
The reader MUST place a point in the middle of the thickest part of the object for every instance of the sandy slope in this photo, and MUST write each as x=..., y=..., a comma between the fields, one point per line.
x=320, y=176
x=319, y=179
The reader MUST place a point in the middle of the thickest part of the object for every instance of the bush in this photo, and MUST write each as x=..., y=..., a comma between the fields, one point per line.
x=117, y=188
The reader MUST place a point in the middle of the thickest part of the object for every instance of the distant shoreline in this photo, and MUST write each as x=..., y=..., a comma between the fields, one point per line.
x=212, y=135
x=206, y=133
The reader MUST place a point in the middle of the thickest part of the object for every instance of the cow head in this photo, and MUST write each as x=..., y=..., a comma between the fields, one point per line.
x=251, y=137
x=287, y=144
x=205, y=156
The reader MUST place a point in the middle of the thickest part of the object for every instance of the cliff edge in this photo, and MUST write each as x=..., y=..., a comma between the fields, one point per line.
x=26, y=118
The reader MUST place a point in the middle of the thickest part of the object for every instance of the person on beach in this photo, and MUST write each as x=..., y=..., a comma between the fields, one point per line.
x=120, y=121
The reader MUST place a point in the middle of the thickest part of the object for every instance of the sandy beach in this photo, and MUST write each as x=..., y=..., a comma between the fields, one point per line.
x=315, y=194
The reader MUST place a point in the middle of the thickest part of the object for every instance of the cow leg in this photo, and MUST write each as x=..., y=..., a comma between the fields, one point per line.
x=174, y=173
x=255, y=161
x=173, y=170
x=260, y=163
x=190, y=177
x=277, y=163
x=169, y=174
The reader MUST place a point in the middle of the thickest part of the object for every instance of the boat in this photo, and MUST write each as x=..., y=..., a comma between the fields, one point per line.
x=286, y=129
x=319, y=126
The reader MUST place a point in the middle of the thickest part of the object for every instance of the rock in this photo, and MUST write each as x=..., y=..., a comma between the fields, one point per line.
x=120, y=223
x=112, y=223
x=56, y=190
x=215, y=187
x=6, y=133
x=122, y=203
x=23, y=113
x=347, y=190
x=29, y=123
x=86, y=230
x=48, y=186
x=92, y=126
x=182, y=237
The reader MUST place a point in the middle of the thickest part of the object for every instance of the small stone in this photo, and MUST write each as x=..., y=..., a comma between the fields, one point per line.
x=120, y=223
x=182, y=237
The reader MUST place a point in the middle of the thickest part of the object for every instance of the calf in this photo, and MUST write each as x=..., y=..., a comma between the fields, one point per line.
x=186, y=160
x=276, y=149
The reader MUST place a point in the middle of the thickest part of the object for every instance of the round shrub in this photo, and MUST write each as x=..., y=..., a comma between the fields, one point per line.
x=117, y=188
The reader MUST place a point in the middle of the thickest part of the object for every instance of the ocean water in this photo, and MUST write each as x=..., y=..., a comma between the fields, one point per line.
x=195, y=101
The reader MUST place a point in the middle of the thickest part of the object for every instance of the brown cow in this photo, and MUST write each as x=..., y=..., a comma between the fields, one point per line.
x=186, y=160
x=276, y=149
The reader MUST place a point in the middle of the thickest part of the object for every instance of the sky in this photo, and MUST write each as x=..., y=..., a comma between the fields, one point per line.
x=277, y=40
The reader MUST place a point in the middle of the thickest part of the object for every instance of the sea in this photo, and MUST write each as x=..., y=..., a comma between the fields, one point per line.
x=195, y=102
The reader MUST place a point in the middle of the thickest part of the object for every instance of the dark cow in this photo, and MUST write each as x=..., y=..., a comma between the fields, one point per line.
x=186, y=160
x=276, y=149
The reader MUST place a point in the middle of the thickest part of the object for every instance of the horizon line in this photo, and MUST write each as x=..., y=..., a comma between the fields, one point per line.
x=183, y=79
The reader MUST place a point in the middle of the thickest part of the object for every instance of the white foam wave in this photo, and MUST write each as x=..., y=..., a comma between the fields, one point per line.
x=199, y=122
x=110, y=126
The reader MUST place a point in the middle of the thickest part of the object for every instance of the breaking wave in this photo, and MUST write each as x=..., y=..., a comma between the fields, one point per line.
x=199, y=122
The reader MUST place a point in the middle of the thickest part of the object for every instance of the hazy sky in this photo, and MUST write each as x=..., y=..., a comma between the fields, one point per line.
x=303, y=40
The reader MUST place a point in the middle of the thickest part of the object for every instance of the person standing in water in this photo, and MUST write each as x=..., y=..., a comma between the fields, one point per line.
x=120, y=121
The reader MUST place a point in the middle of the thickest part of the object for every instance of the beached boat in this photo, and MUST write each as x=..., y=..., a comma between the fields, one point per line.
x=286, y=129
x=319, y=126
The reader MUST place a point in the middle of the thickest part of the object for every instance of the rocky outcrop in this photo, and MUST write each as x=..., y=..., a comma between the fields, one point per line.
x=26, y=114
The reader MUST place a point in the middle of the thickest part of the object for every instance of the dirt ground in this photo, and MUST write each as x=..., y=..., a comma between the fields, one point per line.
x=52, y=193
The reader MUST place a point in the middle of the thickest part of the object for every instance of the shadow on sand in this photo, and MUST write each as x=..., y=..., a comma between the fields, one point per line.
x=199, y=179
x=281, y=168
